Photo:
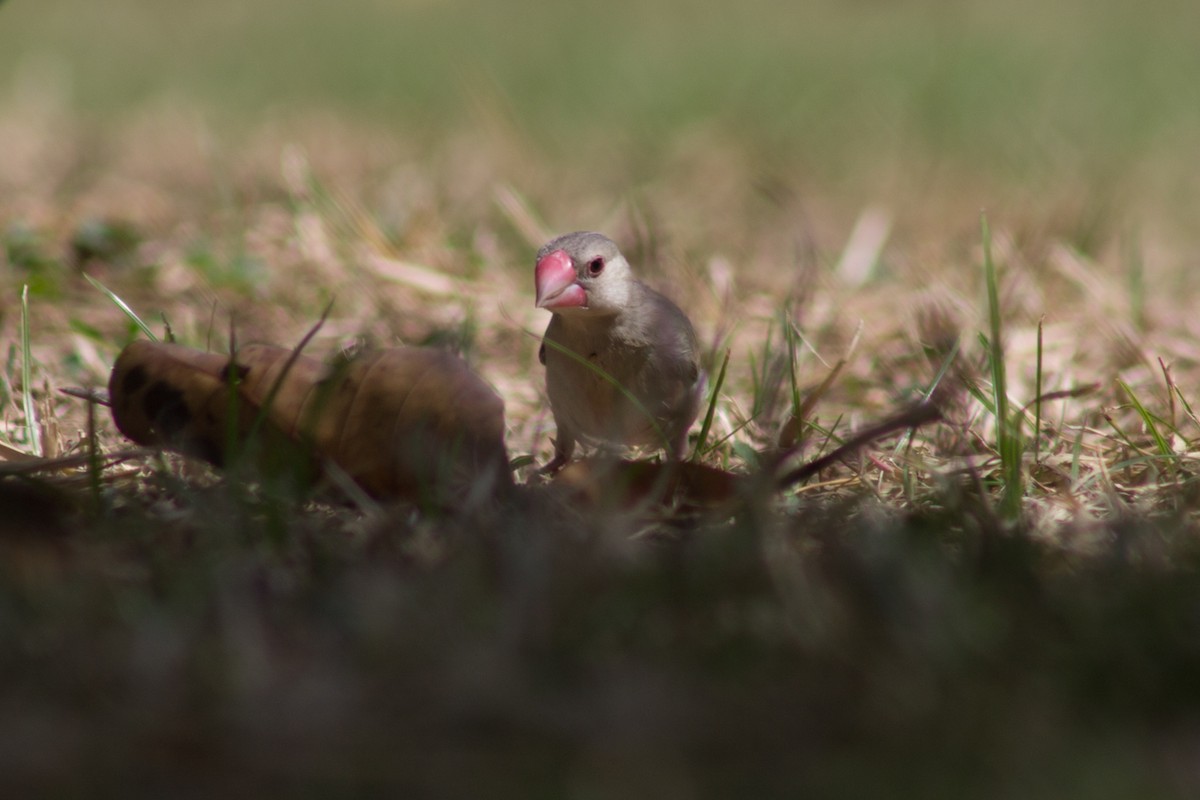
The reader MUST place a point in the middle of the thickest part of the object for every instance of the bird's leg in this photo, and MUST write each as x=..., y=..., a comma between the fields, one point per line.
x=679, y=446
x=679, y=439
x=674, y=458
x=564, y=446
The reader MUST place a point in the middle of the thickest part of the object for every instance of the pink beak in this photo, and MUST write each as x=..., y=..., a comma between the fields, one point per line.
x=554, y=277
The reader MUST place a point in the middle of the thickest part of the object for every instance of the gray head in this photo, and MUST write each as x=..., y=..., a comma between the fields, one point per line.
x=582, y=273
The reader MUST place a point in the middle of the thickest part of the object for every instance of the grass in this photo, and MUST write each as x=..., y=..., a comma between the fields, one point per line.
x=1009, y=445
x=121, y=304
x=32, y=434
x=1001, y=605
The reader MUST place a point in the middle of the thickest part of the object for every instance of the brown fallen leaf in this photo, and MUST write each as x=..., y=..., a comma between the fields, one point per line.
x=623, y=483
x=607, y=482
x=404, y=423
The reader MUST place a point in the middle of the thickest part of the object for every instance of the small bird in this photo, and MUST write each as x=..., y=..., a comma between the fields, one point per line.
x=612, y=338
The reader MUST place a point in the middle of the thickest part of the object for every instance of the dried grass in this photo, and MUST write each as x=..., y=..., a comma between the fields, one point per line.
x=419, y=245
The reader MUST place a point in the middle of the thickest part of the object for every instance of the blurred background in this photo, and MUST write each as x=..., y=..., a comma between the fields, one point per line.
x=1082, y=115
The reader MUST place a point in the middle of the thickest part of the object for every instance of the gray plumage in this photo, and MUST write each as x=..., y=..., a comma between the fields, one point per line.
x=631, y=332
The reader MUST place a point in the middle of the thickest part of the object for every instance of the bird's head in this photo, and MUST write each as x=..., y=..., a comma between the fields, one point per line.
x=582, y=273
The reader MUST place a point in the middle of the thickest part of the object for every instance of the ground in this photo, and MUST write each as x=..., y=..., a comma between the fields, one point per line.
x=860, y=205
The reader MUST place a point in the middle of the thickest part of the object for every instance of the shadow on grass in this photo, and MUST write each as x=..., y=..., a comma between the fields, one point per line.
x=177, y=643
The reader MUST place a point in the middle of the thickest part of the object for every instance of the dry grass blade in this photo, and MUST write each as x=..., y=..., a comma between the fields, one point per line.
x=1061, y=394
x=522, y=216
x=789, y=434
x=918, y=415
x=864, y=246
x=1172, y=418
x=13, y=454
x=97, y=396
x=1187, y=407
x=33, y=465
x=415, y=276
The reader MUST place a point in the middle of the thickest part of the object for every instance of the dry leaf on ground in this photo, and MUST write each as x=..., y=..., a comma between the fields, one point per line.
x=407, y=423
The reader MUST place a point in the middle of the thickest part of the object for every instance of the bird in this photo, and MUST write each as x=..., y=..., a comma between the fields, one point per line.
x=622, y=361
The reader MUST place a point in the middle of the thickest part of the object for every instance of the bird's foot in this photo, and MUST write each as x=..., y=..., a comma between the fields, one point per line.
x=554, y=465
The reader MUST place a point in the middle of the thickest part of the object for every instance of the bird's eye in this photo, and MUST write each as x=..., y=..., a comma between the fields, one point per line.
x=595, y=266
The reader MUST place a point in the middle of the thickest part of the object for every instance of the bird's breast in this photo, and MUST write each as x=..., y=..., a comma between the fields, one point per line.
x=592, y=393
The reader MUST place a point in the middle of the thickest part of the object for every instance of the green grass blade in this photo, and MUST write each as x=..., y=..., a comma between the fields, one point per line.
x=1160, y=441
x=975, y=390
x=760, y=368
x=927, y=395
x=706, y=426
x=995, y=343
x=121, y=304
x=1037, y=396
x=1008, y=434
x=268, y=403
x=31, y=422
x=790, y=335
